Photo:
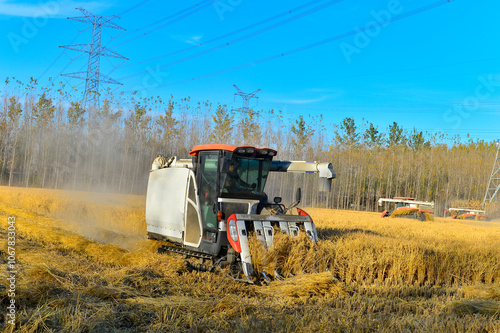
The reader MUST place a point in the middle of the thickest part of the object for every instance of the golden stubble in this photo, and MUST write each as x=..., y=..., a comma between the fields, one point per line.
x=366, y=273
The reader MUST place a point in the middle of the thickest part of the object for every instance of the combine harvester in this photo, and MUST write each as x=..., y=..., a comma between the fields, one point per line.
x=207, y=207
x=467, y=213
x=407, y=208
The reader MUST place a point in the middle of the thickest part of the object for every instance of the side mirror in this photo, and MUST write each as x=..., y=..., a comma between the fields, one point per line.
x=277, y=200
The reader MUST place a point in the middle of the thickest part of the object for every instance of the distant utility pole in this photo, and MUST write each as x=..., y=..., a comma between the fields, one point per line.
x=93, y=77
x=246, y=98
x=494, y=183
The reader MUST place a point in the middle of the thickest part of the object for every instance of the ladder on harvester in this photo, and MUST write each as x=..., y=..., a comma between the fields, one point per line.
x=494, y=183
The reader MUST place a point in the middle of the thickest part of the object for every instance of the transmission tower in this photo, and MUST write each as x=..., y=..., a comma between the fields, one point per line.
x=494, y=183
x=93, y=77
x=246, y=98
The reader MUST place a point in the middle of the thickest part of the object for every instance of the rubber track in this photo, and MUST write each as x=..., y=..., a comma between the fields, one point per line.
x=185, y=252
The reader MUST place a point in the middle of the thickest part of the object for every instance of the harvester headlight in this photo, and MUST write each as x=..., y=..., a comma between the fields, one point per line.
x=250, y=150
x=263, y=152
x=233, y=231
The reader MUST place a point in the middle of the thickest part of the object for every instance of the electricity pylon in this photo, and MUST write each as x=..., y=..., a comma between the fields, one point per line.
x=494, y=183
x=246, y=98
x=93, y=77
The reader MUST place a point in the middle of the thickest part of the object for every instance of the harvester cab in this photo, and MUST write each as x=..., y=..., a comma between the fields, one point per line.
x=406, y=207
x=208, y=206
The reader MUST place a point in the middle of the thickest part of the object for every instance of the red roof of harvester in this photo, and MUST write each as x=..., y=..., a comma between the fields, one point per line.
x=197, y=149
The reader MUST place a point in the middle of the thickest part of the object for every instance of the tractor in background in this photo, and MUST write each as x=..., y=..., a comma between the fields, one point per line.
x=406, y=207
x=466, y=213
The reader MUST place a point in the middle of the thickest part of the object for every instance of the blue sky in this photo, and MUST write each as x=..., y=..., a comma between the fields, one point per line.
x=433, y=65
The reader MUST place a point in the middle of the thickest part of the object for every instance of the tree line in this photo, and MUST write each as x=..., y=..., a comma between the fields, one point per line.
x=49, y=140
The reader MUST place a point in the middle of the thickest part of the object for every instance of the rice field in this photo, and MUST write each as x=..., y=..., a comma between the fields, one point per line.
x=84, y=265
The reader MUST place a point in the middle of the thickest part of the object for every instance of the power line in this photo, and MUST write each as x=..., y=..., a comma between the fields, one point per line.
x=494, y=182
x=248, y=27
x=181, y=14
x=93, y=77
x=311, y=45
x=60, y=54
x=246, y=98
x=242, y=38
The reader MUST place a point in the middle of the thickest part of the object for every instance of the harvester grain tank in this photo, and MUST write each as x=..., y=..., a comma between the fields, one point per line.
x=208, y=206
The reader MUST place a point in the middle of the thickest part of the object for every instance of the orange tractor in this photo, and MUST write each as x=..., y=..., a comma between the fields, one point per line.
x=466, y=213
x=407, y=208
